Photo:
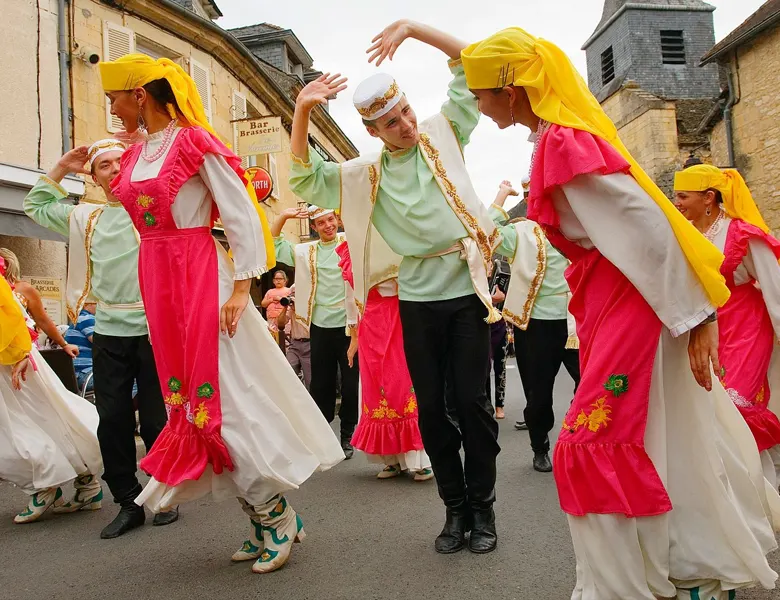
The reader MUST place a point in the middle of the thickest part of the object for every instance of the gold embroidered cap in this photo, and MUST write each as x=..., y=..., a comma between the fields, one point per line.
x=315, y=212
x=526, y=183
x=103, y=146
x=376, y=96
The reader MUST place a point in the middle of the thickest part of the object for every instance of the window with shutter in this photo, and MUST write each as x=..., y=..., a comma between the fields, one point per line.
x=672, y=47
x=238, y=111
x=607, y=66
x=272, y=171
x=117, y=41
x=202, y=77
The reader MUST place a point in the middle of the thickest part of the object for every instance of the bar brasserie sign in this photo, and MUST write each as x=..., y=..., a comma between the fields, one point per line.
x=259, y=136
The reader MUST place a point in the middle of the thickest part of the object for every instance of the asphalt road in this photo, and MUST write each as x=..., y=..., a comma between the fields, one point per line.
x=367, y=540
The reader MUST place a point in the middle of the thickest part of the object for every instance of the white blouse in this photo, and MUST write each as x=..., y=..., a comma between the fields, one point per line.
x=614, y=214
x=216, y=182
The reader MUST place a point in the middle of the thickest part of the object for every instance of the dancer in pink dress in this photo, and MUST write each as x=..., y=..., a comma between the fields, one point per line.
x=240, y=422
x=387, y=432
x=719, y=204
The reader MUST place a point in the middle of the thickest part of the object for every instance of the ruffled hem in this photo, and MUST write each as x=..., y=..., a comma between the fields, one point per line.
x=608, y=479
x=387, y=437
x=764, y=425
x=737, y=241
x=250, y=274
x=563, y=154
x=414, y=460
x=177, y=457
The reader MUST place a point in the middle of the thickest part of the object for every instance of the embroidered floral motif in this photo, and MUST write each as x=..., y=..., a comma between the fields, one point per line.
x=595, y=420
x=384, y=411
x=144, y=201
x=174, y=384
x=149, y=219
x=380, y=102
x=411, y=406
x=761, y=395
x=175, y=399
x=617, y=384
x=365, y=408
x=206, y=390
x=201, y=416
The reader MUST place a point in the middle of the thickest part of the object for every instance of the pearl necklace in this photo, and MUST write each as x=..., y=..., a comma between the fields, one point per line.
x=713, y=229
x=540, y=129
x=166, y=143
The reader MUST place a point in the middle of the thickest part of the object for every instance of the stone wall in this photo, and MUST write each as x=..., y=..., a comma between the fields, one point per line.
x=756, y=122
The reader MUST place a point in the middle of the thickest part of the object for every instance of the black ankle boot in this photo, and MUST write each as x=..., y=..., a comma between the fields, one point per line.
x=129, y=517
x=453, y=537
x=483, y=537
x=542, y=462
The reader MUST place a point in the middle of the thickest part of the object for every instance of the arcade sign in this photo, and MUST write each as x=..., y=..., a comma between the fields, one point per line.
x=261, y=181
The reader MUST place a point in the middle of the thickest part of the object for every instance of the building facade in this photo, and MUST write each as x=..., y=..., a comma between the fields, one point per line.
x=746, y=122
x=643, y=67
x=234, y=83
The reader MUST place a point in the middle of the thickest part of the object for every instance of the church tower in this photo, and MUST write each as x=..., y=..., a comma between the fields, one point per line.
x=657, y=44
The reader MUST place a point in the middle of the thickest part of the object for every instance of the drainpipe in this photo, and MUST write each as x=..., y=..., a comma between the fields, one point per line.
x=62, y=53
x=732, y=100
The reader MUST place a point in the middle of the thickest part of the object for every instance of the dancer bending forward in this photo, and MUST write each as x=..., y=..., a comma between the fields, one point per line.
x=240, y=422
x=48, y=436
x=661, y=480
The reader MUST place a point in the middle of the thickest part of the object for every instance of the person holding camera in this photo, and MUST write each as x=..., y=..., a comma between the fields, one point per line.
x=298, y=350
x=322, y=306
x=272, y=301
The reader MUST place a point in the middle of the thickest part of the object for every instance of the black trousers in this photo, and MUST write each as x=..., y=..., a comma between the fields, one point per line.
x=117, y=363
x=541, y=349
x=447, y=346
x=329, y=348
x=498, y=344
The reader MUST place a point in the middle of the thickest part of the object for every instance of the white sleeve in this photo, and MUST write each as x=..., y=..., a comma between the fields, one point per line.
x=762, y=265
x=350, y=305
x=238, y=216
x=632, y=232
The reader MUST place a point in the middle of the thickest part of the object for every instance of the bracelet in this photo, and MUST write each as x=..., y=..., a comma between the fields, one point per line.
x=710, y=319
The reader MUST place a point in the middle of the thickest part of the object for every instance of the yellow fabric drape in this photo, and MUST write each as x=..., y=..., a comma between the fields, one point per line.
x=559, y=95
x=737, y=200
x=15, y=341
x=136, y=70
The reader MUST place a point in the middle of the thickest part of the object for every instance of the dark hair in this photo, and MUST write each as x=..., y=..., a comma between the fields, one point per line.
x=718, y=195
x=368, y=123
x=161, y=91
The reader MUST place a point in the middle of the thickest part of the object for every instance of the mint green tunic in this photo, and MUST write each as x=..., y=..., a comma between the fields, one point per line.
x=329, y=296
x=411, y=213
x=552, y=300
x=113, y=256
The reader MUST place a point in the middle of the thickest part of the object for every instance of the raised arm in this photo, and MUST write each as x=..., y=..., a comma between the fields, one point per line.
x=41, y=317
x=313, y=94
x=43, y=204
x=762, y=265
x=385, y=44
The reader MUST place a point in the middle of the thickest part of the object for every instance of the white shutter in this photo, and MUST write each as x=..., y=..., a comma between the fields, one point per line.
x=202, y=77
x=117, y=41
x=239, y=112
x=272, y=171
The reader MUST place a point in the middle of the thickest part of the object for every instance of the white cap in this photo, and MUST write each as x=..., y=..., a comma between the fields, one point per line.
x=526, y=183
x=103, y=146
x=315, y=212
x=376, y=96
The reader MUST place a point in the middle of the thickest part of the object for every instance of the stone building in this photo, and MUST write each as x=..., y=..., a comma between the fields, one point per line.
x=643, y=67
x=746, y=121
x=233, y=82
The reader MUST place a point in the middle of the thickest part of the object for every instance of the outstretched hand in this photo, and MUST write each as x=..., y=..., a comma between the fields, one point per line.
x=386, y=43
x=506, y=187
x=318, y=91
x=295, y=213
x=73, y=161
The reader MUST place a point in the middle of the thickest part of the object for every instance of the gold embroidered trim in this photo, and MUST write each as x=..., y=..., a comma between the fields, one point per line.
x=536, y=282
x=500, y=210
x=379, y=103
x=360, y=305
x=313, y=274
x=483, y=242
x=454, y=62
x=51, y=182
x=513, y=318
x=299, y=161
x=110, y=144
x=88, y=231
x=373, y=177
x=457, y=139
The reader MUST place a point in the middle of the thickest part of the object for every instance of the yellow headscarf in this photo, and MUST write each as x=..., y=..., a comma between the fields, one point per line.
x=15, y=341
x=737, y=200
x=559, y=95
x=136, y=70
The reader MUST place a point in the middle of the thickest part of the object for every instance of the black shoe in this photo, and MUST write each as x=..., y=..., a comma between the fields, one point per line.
x=542, y=462
x=453, y=537
x=166, y=518
x=521, y=426
x=483, y=537
x=349, y=451
x=129, y=517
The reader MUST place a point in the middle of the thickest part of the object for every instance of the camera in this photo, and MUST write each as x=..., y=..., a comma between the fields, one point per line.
x=287, y=300
x=89, y=55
